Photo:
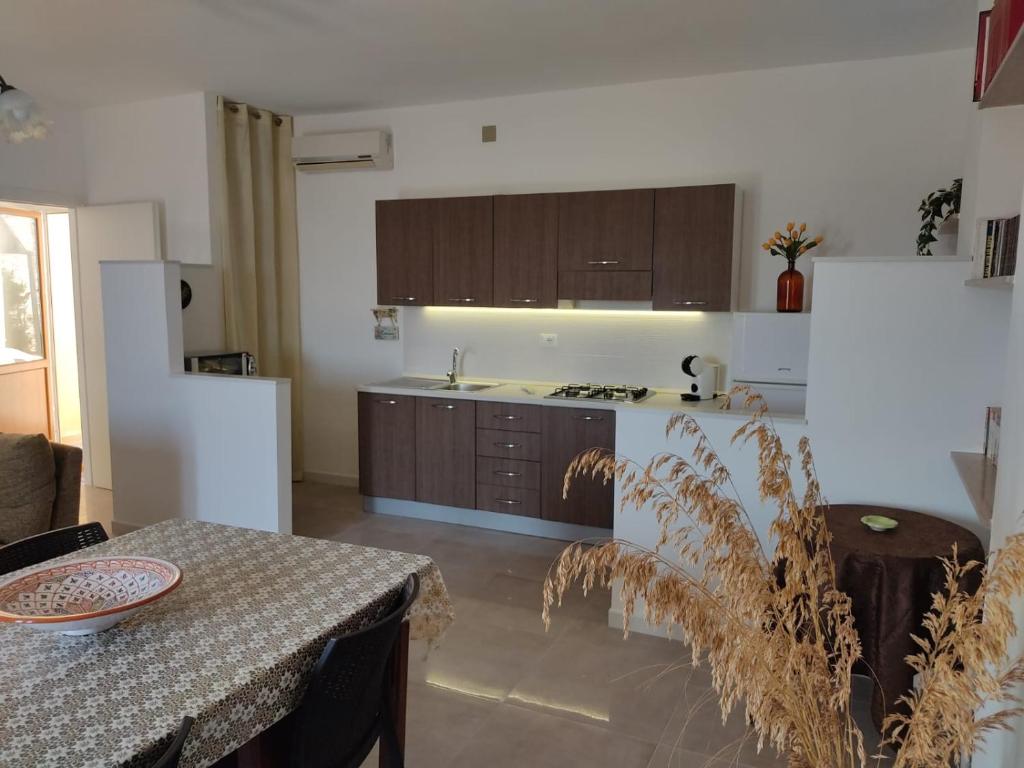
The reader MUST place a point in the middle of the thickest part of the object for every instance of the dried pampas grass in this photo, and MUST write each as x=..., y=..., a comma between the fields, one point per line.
x=777, y=634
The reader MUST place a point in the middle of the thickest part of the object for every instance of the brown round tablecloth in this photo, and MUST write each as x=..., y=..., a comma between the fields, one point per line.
x=890, y=578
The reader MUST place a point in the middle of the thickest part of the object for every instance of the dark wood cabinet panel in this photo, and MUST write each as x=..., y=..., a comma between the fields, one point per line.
x=693, y=248
x=605, y=286
x=509, y=501
x=610, y=230
x=508, y=472
x=463, y=252
x=405, y=251
x=513, y=416
x=387, y=445
x=503, y=444
x=526, y=250
x=446, y=451
x=568, y=432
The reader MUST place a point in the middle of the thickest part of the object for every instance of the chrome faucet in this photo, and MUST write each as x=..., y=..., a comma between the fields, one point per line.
x=453, y=374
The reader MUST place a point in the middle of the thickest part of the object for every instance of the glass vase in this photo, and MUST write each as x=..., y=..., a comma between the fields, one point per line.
x=790, y=297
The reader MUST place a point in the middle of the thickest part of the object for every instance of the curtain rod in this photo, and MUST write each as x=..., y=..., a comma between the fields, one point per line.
x=253, y=112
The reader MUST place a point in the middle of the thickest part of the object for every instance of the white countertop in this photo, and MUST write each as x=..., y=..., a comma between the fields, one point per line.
x=533, y=392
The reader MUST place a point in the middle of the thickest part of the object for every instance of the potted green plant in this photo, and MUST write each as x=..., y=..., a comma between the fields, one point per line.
x=938, y=207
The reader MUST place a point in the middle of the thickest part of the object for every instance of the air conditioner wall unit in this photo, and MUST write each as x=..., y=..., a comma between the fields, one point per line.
x=349, y=151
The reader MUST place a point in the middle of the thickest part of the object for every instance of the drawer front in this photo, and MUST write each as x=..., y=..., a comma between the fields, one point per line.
x=510, y=501
x=511, y=416
x=504, y=444
x=508, y=473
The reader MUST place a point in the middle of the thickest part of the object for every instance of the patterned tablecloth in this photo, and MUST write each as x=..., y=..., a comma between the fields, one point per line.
x=232, y=647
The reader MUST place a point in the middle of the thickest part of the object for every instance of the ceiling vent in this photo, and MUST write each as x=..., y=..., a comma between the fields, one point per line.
x=350, y=151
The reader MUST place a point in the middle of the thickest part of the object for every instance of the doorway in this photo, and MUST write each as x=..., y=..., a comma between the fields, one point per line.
x=38, y=337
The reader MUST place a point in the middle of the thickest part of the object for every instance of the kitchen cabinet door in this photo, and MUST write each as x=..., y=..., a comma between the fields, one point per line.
x=463, y=252
x=526, y=251
x=405, y=251
x=609, y=230
x=568, y=432
x=387, y=446
x=446, y=451
x=693, y=248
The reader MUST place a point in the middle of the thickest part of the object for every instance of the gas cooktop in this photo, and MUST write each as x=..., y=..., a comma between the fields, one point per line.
x=622, y=394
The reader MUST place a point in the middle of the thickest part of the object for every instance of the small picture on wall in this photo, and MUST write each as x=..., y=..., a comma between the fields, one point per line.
x=385, y=326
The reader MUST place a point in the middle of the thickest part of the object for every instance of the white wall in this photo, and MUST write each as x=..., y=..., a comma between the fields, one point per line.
x=157, y=150
x=213, y=448
x=869, y=140
x=48, y=172
x=904, y=360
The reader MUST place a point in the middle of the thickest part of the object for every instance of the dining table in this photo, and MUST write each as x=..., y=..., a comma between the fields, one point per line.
x=233, y=647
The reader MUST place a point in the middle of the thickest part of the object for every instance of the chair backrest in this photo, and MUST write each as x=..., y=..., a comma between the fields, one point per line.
x=44, y=546
x=343, y=709
x=171, y=757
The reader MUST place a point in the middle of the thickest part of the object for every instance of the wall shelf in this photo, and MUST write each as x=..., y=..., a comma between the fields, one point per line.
x=978, y=475
x=1007, y=87
x=1005, y=281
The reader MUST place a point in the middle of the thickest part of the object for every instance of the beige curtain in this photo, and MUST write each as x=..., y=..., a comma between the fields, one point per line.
x=259, y=248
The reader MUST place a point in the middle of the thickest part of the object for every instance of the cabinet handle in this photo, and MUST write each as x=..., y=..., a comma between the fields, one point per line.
x=507, y=445
x=785, y=370
x=603, y=263
x=388, y=402
x=524, y=301
x=682, y=303
x=502, y=473
x=444, y=406
x=507, y=501
x=589, y=418
x=403, y=298
x=463, y=300
x=503, y=417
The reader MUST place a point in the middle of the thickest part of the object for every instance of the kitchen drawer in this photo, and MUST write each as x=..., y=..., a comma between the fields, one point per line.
x=505, y=444
x=511, y=416
x=508, y=473
x=511, y=501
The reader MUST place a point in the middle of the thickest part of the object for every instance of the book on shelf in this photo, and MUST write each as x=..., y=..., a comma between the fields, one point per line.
x=996, y=246
x=998, y=30
x=993, y=422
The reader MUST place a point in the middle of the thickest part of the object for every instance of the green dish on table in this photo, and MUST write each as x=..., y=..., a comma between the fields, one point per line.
x=879, y=523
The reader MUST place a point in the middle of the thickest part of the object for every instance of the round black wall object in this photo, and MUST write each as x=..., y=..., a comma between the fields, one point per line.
x=186, y=294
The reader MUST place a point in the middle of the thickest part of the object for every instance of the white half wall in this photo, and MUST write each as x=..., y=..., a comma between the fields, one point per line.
x=871, y=140
x=160, y=150
x=201, y=447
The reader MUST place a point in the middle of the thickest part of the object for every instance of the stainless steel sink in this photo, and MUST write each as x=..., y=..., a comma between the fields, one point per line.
x=413, y=382
x=463, y=386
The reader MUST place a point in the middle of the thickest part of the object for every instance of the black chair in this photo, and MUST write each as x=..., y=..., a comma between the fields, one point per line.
x=171, y=757
x=44, y=546
x=345, y=707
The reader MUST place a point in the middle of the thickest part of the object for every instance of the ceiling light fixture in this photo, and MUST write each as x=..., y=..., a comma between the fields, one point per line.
x=20, y=116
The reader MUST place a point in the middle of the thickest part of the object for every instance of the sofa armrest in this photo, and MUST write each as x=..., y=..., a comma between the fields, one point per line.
x=67, y=460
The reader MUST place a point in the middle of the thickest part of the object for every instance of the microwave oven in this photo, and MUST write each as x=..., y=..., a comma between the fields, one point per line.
x=226, y=363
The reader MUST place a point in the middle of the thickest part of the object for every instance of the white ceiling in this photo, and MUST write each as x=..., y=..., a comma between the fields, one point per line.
x=322, y=55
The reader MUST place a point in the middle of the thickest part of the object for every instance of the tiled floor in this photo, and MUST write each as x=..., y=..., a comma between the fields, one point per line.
x=500, y=691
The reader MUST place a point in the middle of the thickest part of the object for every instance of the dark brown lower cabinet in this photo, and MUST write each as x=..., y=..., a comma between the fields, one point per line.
x=568, y=432
x=446, y=451
x=387, y=445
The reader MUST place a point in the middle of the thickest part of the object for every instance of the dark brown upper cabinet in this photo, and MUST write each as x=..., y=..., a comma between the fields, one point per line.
x=693, y=248
x=387, y=445
x=609, y=230
x=405, y=251
x=568, y=432
x=463, y=252
x=526, y=251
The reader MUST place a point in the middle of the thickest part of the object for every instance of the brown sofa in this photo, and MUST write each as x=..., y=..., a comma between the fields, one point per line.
x=25, y=487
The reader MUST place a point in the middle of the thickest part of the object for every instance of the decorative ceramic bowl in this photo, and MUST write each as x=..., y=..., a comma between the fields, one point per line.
x=879, y=523
x=83, y=597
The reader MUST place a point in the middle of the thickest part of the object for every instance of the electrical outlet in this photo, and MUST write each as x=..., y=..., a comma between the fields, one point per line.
x=549, y=339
